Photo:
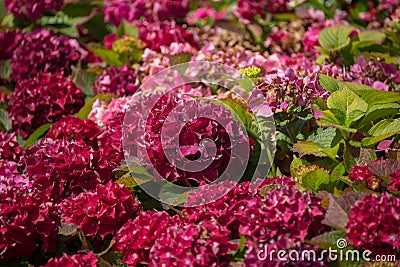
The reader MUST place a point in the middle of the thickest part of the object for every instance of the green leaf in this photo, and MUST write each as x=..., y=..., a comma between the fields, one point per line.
x=239, y=111
x=81, y=8
x=374, y=97
x=326, y=138
x=308, y=148
x=5, y=70
x=327, y=240
x=4, y=120
x=180, y=58
x=109, y=56
x=339, y=170
x=335, y=37
x=370, y=141
x=128, y=29
x=388, y=126
x=84, y=80
x=297, y=163
x=39, y=132
x=347, y=106
x=97, y=28
x=85, y=110
x=3, y=10
x=314, y=179
x=328, y=83
x=371, y=36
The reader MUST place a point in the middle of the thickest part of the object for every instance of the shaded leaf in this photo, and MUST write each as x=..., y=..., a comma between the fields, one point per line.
x=109, y=56
x=84, y=80
x=85, y=110
x=327, y=240
x=68, y=228
x=383, y=168
x=39, y=132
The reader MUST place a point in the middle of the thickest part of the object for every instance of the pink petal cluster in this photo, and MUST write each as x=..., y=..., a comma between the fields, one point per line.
x=27, y=219
x=32, y=9
x=247, y=10
x=102, y=113
x=10, y=177
x=374, y=223
x=102, y=211
x=45, y=51
x=9, y=147
x=133, y=10
x=363, y=173
x=76, y=260
x=395, y=181
x=43, y=99
x=9, y=41
x=118, y=81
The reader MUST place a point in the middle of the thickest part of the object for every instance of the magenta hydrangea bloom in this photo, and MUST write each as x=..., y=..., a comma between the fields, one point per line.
x=10, y=177
x=118, y=81
x=27, y=219
x=62, y=168
x=205, y=120
x=204, y=244
x=363, y=173
x=247, y=10
x=395, y=181
x=136, y=238
x=32, y=9
x=43, y=99
x=76, y=260
x=102, y=113
x=9, y=41
x=9, y=147
x=132, y=10
x=157, y=34
x=374, y=223
x=45, y=51
x=102, y=211
x=72, y=128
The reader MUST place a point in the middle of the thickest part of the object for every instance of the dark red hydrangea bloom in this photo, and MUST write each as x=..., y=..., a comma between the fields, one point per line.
x=362, y=173
x=45, y=51
x=75, y=129
x=395, y=181
x=32, y=9
x=157, y=34
x=62, y=168
x=132, y=10
x=102, y=211
x=202, y=245
x=203, y=120
x=27, y=219
x=110, y=143
x=118, y=81
x=136, y=238
x=247, y=10
x=41, y=100
x=9, y=147
x=77, y=260
x=10, y=177
x=374, y=224
x=9, y=41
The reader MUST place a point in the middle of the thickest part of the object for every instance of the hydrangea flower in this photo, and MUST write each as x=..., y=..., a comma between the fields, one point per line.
x=10, y=177
x=41, y=100
x=72, y=128
x=101, y=211
x=76, y=260
x=62, y=168
x=45, y=51
x=102, y=113
x=132, y=10
x=247, y=10
x=362, y=173
x=9, y=41
x=395, y=181
x=32, y=9
x=27, y=219
x=374, y=223
x=120, y=81
x=9, y=147
x=136, y=238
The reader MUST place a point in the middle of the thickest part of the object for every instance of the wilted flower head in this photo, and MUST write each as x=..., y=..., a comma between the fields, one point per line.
x=76, y=260
x=45, y=51
x=9, y=41
x=32, y=9
x=374, y=223
x=101, y=211
x=27, y=219
x=43, y=99
x=132, y=10
x=61, y=167
x=118, y=81
x=9, y=147
x=72, y=128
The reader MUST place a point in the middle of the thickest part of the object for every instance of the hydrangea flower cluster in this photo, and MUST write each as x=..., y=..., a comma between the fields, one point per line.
x=118, y=81
x=363, y=173
x=10, y=177
x=32, y=9
x=395, y=181
x=50, y=96
x=77, y=260
x=45, y=51
x=133, y=10
x=9, y=147
x=246, y=11
x=102, y=211
x=27, y=219
x=9, y=41
x=373, y=223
